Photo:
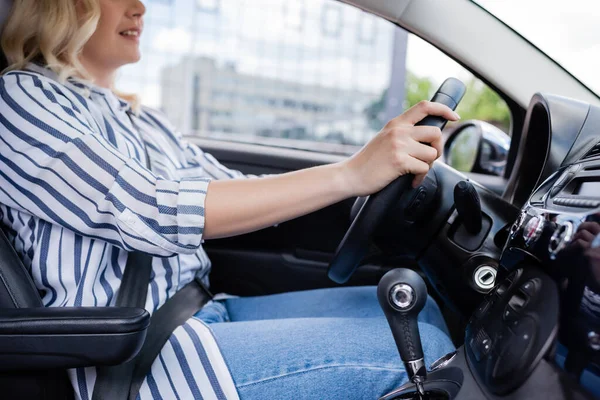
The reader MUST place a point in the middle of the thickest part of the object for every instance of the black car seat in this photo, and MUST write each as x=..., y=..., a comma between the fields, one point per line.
x=38, y=344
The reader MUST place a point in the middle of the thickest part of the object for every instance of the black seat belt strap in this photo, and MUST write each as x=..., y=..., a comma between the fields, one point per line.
x=112, y=382
x=175, y=312
x=136, y=278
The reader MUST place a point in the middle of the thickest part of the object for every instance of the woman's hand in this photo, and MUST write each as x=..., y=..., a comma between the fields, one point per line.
x=399, y=148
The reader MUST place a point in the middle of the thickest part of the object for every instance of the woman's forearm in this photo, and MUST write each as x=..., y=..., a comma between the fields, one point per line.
x=233, y=207
x=236, y=206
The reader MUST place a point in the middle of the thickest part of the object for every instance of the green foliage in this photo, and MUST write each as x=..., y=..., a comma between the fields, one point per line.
x=417, y=89
x=480, y=102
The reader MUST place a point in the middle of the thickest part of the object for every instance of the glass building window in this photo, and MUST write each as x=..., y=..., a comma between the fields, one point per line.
x=208, y=6
x=331, y=20
x=294, y=12
x=367, y=29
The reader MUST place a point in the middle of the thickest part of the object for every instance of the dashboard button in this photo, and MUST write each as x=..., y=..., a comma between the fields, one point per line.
x=531, y=287
x=482, y=309
x=510, y=314
x=517, y=301
x=502, y=288
x=533, y=229
x=481, y=345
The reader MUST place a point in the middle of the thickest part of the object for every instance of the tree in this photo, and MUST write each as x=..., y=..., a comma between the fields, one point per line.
x=480, y=102
x=417, y=89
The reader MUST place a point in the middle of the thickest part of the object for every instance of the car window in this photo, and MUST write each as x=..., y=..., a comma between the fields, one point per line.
x=311, y=74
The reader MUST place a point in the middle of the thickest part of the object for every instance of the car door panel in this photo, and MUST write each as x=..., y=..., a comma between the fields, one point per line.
x=259, y=159
x=261, y=272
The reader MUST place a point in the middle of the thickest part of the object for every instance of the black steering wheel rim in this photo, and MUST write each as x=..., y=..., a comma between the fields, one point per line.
x=355, y=244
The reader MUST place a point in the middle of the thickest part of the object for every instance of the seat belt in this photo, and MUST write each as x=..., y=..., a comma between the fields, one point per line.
x=125, y=380
x=112, y=382
x=175, y=312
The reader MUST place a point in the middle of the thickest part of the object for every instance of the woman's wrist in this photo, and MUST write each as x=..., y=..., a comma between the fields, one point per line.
x=344, y=179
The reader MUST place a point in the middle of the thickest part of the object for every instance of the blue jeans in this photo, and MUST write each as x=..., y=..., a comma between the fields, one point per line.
x=318, y=344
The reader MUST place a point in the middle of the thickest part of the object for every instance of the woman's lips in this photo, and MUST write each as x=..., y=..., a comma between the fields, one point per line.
x=131, y=34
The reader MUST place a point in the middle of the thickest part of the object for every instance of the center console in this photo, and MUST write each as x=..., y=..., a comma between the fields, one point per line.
x=547, y=293
x=508, y=351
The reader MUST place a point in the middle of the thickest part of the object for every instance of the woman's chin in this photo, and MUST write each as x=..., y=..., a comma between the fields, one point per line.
x=132, y=58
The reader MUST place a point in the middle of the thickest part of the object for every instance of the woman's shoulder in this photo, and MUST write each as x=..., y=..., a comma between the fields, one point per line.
x=28, y=75
x=26, y=85
x=36, y=82
x=22, y=79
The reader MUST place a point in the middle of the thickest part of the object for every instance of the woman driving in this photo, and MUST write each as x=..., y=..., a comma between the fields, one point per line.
x=88, y=176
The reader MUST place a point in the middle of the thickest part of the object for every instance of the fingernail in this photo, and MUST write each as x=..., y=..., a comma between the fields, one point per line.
x=456, y=115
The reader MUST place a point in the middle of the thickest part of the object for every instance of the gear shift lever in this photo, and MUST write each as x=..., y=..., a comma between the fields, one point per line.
x=402, y=294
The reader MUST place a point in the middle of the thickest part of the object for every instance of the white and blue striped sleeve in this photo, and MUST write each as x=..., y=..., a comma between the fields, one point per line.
x=194, y=155
x=210, y=164
x=55, y=164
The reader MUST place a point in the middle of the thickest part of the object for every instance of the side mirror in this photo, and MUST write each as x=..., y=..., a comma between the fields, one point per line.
x=477, y=146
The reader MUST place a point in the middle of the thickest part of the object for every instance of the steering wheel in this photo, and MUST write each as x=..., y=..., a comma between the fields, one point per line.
x=355, y=243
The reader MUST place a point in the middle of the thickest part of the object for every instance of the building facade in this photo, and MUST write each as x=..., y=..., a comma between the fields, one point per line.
x=202, y=97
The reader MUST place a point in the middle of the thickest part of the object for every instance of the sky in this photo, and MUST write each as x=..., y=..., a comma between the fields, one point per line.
x=273, y=37
x=568, y=31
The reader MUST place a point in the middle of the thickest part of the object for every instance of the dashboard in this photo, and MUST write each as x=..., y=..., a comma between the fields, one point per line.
x=535, y=331
x=546, y=305
x=559, y=230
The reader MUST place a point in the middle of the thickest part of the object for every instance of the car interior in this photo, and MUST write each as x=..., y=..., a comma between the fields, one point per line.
x=503, y=255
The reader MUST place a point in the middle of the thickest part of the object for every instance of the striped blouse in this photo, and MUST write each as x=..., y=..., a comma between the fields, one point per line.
x=83, y=181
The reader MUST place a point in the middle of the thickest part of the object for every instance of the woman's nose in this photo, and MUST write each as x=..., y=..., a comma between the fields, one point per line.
x=137, y=9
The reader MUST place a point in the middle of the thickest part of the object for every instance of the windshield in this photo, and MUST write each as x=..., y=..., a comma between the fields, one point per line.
x=568, y=32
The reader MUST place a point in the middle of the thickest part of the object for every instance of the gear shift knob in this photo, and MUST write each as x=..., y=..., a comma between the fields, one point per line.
x=402, y=294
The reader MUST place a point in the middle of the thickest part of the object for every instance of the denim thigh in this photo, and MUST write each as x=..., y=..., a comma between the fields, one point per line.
x=318, y=344
x=318, y=358
x=344, y=302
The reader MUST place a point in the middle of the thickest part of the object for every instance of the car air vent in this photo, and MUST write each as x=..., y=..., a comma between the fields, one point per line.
x=595, y=151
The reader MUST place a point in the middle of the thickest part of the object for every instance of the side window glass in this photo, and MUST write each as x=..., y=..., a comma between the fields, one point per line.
x=311, y=74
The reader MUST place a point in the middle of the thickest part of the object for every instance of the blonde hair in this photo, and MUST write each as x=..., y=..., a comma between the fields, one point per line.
x=52, y=33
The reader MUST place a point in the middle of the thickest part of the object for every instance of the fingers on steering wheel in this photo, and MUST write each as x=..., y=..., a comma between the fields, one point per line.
x=415, y=166
x=424, y=108
x=422, y=152
x=431, y=135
